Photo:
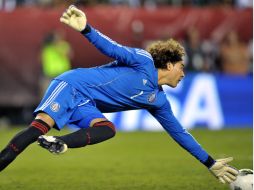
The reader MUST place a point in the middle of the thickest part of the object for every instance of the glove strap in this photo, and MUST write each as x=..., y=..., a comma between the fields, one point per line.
x=209, y=162
x=86, y=30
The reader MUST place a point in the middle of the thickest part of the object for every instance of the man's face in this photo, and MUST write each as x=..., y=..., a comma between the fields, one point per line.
x=176, y=73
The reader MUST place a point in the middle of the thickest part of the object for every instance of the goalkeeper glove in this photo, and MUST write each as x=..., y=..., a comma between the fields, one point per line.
x=224, y=172
x=74, y=18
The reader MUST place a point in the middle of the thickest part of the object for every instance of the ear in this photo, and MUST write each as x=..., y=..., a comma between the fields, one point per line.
x=169, y=66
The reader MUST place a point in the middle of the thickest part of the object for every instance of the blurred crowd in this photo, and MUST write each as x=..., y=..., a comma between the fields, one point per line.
x=11, y=4
x=230, y=54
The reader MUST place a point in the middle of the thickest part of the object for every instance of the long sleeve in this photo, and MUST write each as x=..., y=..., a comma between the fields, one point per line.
x=132, y=57
x=168, y=121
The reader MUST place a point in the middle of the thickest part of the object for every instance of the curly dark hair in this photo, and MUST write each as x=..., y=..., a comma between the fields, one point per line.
x=164, y=52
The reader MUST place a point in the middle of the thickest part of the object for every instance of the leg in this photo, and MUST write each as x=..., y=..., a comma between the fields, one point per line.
x=41, y=125
x=100, y=130
x=96, y=133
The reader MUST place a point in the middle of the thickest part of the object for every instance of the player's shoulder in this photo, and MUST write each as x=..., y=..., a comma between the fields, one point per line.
x=145, y=60
x=143, y=53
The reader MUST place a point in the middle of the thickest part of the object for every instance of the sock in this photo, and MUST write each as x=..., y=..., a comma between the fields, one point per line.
x=100, y=132
x=21, y=141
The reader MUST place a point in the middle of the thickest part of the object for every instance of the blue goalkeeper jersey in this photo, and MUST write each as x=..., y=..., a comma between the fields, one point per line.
x=130, y=82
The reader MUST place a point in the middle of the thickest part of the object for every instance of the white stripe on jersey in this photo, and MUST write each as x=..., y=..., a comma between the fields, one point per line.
x=127, y=49
x=54, y=94
x=139, y=94
x=84, y=103
x=107, y=38
x=143, y=51
x=148, y=56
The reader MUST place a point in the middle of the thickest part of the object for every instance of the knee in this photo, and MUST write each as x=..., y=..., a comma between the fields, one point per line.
x=109, y=126
x=45, y=118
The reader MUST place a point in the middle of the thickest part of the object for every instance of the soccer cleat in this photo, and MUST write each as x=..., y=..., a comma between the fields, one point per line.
x=52, y=144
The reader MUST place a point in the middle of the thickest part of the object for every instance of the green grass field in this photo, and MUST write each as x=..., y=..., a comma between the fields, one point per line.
x=130, y=161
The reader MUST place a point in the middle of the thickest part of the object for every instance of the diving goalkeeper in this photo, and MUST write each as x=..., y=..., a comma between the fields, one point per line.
x=132, y=81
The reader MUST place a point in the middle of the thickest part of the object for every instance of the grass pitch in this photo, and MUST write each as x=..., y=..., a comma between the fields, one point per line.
x=129, y=161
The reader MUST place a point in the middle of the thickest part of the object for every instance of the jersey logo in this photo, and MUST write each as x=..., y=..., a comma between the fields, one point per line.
x=151, y=97
x=139, y=94
x=55, y=106
x=144, y=81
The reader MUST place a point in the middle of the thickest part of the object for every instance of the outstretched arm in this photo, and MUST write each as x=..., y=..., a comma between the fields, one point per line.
x=218, y=168
x=133, y=57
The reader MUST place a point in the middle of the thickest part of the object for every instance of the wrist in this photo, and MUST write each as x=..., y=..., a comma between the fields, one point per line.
x=209, y=162
x=86, y=30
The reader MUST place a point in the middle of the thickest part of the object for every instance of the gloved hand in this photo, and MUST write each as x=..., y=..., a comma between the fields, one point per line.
x=224, y=172
x=74, y=18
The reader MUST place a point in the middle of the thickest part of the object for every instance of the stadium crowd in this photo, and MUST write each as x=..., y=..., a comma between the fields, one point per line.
x=228, y=54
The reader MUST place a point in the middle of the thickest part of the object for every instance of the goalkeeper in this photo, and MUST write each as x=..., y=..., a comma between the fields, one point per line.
x=133, y=81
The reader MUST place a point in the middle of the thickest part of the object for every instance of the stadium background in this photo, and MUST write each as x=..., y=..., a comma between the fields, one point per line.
x=211, y=97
